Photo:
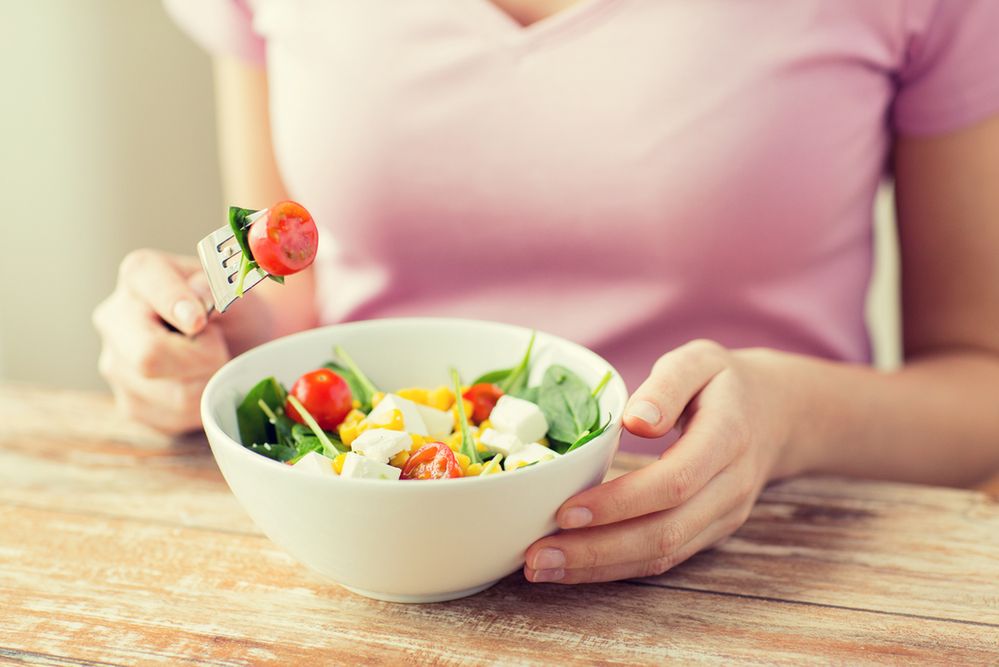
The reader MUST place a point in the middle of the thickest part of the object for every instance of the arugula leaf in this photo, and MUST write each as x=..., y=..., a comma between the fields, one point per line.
x=254, y=424
x=517, y=378
x=567, y=404
x=329, y=449
x=492, y=377
x=239, y=223
x=468, y=447
x=361, y=388
x=589, y=435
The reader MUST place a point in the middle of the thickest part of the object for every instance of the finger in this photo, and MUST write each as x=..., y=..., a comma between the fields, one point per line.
x=714, y=533
x=675, y=379
x=644, y=538
x=704, y=450
x=159, y=281
x=168, y=405
x=142, y=343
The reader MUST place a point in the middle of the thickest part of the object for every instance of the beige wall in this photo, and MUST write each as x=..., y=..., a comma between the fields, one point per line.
x=107, y=145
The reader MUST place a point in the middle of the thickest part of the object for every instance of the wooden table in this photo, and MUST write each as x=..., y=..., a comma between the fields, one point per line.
x=121, y=546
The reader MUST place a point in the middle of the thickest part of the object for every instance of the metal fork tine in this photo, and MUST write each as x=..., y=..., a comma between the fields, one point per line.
x=219, y=255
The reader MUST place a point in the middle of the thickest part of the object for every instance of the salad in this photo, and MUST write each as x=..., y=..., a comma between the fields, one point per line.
x=334, y=421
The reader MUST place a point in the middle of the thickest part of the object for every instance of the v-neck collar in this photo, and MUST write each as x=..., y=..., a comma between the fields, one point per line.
x=504, y=26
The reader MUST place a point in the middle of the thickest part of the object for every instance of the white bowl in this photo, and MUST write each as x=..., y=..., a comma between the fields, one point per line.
x=395, y=540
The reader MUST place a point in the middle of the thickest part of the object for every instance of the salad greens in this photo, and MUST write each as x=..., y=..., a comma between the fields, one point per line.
x=570, y=408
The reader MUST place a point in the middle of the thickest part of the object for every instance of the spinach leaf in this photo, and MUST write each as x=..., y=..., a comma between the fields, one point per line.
x=517, y=378
x=527, y=393
x=567, y=404
x=277, y=452
x=468, y=447
x=239, y=223
x=492, y=377
x=254, y=424
x=361, y=388
x=589, y=435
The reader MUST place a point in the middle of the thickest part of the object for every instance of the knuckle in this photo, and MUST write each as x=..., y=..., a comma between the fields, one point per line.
x=670, y=537
x=658, y=566
x=706, y=347
x=147, y=359
x=678, y=486
x=133, y=262
x=589, y=556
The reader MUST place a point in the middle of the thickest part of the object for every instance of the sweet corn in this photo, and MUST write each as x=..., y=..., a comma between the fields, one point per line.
x=415, y=394
x=355, y=404
x=474, y=470
x=441, y=398
x=377, y=397
x=468, y=410
x=348, y=433
x=463, y=461
x=338, y=463
x=399, y=460
x=484, y=424
x=544, y=441
x=453, y=441
x=418, y=441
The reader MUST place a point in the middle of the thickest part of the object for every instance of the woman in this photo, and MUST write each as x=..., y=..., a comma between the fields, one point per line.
x=684, y=186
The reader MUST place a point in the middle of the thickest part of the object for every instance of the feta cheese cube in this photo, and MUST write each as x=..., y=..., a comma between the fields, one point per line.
x=503, y=443
x=316, y=464
x=519, y=417
x=530, y=453
x=439, y=423
x=411, y=419
x=361, y=467
x=381, y=444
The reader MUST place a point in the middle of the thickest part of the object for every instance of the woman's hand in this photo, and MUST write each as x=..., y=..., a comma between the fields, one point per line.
x=734, y=415
x=156, y=374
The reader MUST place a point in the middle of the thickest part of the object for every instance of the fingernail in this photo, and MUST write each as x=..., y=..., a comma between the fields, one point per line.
x=575, y=517
x=541, y=576
x=549, y=559
x=185, y=312
x=645, y=411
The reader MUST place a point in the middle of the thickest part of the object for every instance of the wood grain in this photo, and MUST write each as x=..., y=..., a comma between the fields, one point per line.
x=120, y=546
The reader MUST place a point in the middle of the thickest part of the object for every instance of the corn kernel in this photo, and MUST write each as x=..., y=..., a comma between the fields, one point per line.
x=474, y=470
x=543, y=441
x=338, y=463
x=348, y=433
x=355, y=404
x=415, y=394
x=453, y=441
x=418, y=441
x=441, y=398
x=377, y=397
x=484, y=424
x=463, y=461
x=353, y=417
x=399, y=460
x=468, y=410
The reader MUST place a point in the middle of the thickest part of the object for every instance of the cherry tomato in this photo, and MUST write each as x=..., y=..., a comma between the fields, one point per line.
x=432, y=461
x=324, y=394
x=284, y=241
x=483, y=397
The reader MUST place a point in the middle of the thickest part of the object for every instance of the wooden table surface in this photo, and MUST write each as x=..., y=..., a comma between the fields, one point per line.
x=120, y=546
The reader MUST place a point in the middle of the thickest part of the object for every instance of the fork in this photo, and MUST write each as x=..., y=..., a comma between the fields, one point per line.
x=220, y=257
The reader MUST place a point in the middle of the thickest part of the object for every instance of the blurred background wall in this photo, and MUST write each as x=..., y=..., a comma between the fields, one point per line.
x=108, y=144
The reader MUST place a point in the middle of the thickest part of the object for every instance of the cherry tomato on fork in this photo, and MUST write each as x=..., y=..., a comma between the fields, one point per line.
x=284, y=241
x=432, y=461
x=483, y=397
x=324, y=394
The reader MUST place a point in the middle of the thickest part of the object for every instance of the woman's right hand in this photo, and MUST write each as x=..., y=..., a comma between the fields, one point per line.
x=157, y=375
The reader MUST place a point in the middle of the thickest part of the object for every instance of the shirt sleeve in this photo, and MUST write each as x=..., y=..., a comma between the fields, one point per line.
x=221, y=27
x=950, y=76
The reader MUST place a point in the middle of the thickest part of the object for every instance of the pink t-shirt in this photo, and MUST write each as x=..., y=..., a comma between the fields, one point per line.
x=629, y=174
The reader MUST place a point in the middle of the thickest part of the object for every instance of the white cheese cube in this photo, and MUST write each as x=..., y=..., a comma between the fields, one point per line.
x=439, y=423
x=530, y=453
x=519, y=417
x=503, y=443
x=315, y=463
x=411, y=419
x=381, y=444
x=361, y=467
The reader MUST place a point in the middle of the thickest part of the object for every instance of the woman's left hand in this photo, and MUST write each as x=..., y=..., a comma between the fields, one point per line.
x=735, y=416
